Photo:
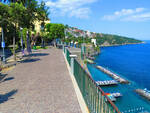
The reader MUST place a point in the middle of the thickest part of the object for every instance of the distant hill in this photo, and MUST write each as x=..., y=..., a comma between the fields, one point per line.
x=102, y=39
x=107, y=40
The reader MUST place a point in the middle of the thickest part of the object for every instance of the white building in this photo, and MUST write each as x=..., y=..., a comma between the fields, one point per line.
x=93, y=41
x=88, y=33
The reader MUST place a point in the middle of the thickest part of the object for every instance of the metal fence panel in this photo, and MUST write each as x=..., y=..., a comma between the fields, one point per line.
x=68, y=57
x=96, y=100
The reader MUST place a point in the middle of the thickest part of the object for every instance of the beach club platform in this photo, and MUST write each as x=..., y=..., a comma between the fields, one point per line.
x=144, y=93
x=113, y=75
x=107, y=82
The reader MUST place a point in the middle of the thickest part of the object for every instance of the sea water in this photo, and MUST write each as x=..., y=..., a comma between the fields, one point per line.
x=131, y=62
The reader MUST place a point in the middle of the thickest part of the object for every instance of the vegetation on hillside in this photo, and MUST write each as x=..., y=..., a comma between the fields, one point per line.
x=107, y=40
x=76, y=34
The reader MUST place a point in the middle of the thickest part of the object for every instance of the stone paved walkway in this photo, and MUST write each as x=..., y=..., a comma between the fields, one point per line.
x=41, y=84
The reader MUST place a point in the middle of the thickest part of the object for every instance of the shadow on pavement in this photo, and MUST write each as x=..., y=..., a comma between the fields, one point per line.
x=30, y=60
x=9, y=78
x=7, y=96
x=37, y=54
x=2, y=76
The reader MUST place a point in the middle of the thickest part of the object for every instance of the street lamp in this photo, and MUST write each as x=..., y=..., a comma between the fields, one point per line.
x=22, y=42
x=3, y=45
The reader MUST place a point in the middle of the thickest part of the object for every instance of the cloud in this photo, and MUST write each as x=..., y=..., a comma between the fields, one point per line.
x=124, y=14
x=80, y=13
x=70, y=8
x=137, y=18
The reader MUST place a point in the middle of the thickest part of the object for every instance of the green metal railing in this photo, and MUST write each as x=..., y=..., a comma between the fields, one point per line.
x=68, y=56
x=94, y=96
x=64, y=48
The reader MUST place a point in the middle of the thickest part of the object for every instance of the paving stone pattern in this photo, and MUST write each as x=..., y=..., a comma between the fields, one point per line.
x=41, y=84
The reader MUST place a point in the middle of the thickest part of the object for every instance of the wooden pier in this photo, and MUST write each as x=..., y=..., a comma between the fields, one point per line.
x=113, y=75
x=143, y=93
x=107, y=82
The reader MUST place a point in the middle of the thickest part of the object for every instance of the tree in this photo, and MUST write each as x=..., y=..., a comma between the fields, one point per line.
x=55, y=31
x=43, y=16
x=20, y=13
x=13, y=1
x=43, y=13
x=32, y=11
x=16, y=13
x=6, y=23
x=35, y=12
x=3, y=14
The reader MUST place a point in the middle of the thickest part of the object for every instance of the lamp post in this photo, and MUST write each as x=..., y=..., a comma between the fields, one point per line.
x=3, y=45
x=22, y=42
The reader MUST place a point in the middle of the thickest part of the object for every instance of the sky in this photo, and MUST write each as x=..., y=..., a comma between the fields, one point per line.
x=129, y=18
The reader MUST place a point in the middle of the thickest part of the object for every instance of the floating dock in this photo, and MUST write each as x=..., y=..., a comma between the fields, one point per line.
x=144, y=93
x=113, y=75
x=116, y=95
x=107, y=82
x=113, y=96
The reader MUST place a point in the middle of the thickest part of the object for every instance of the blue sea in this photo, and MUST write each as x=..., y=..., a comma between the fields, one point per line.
x=131, y=62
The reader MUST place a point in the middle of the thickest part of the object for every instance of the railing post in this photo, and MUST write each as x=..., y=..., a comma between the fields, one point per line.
x=83, y=51
x=72, y=62
x=66, y=51
x=63, y=47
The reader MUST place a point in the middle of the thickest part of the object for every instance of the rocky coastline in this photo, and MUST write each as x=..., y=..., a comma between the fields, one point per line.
x=112, y=45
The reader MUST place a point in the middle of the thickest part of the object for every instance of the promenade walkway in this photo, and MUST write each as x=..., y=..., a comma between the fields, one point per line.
x=41, y=84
